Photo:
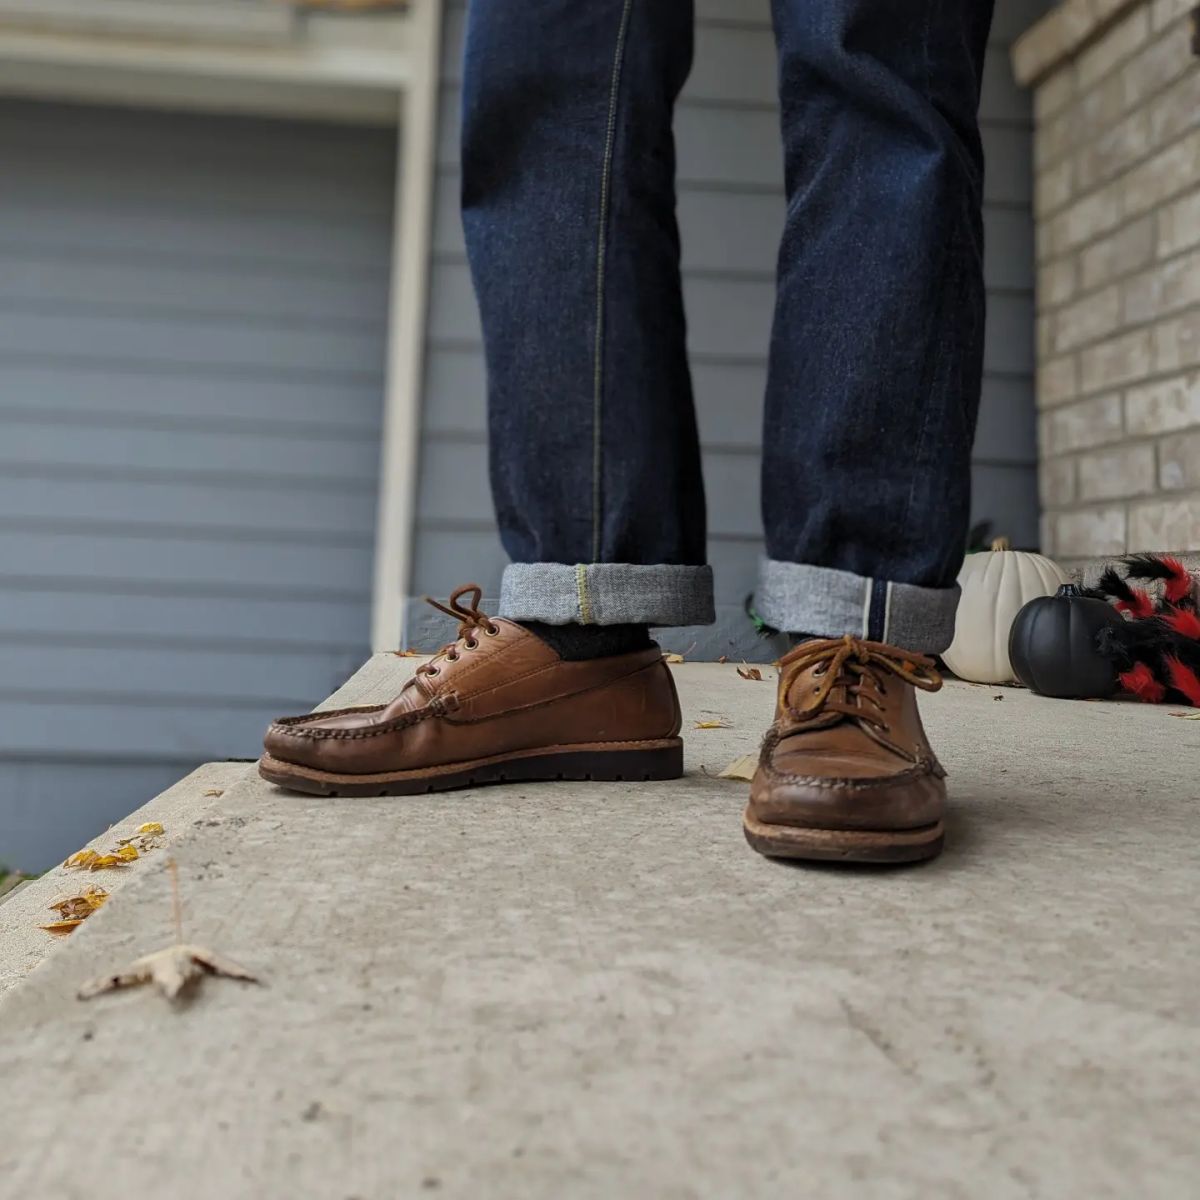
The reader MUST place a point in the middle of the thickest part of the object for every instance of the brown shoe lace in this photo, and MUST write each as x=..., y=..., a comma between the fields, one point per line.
x=862, y=669
x=470, y=618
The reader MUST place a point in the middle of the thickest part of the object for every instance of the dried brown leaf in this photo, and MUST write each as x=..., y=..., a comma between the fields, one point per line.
x=172, y=971
x=752, y=673
x=80, y=906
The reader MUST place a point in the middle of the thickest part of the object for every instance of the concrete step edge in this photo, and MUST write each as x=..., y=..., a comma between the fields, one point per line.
x=24, y=945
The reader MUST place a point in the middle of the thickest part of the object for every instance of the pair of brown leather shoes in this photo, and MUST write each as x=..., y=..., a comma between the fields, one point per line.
x=845, y=771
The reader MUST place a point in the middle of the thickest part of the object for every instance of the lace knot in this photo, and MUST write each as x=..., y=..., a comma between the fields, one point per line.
x=860, y=668
x=470, y=618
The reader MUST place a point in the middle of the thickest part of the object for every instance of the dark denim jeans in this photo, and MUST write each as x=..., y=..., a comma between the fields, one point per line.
x=876, y=350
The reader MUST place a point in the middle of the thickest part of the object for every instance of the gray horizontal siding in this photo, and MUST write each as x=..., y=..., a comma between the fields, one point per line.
x=205, y=396
x=192, y=340
x=83, y=797
x=730, y=212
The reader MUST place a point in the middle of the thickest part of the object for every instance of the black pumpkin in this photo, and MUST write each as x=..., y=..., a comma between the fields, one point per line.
x=1053, y=649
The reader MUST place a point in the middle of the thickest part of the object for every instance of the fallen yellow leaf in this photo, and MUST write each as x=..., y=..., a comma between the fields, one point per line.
x=153, y=827
x=80, y=905
x=713, y=725
x=741, y=768
x=678, y=658
x=127, y=853
x=103, y=862
x=65, y=926
x=82, y=858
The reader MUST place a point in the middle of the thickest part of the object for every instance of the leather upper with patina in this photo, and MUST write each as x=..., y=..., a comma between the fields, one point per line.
x=847, y=749
x=496, y=689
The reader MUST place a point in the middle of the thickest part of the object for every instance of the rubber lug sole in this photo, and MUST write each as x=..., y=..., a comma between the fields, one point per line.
x=660, y=760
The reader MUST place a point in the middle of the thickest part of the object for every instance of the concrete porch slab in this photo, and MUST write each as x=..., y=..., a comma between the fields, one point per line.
x=599, y=990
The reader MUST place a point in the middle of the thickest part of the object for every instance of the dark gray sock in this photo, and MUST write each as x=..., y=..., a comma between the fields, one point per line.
x=574, y=643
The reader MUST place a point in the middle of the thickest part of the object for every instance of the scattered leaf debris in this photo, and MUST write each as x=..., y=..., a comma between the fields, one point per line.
x=127, y=850
x=741, y=768
x=713, y=725
x=752, y=673
x=215, y=792
x=74, y=910
x=409, y=653
x=723, y=659
x=172, y=970
x=1192, y=716
x=93, y=860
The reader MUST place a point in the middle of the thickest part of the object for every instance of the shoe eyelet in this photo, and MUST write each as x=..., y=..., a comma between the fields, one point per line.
x=492, y=631
x=433, y=670
x=471, y=644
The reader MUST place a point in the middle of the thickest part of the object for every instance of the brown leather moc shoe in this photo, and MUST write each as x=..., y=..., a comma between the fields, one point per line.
x=496, y=705
x=846, y=772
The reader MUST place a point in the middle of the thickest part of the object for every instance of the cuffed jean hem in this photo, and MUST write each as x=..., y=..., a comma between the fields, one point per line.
x=828, y=603
x=607, y=594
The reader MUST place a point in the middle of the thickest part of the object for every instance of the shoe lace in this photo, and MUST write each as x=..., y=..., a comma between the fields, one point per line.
x=470, y=618
x=862, y=669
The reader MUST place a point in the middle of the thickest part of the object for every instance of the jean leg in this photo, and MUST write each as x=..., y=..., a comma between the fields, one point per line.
x=569, y=214
x=877, y=345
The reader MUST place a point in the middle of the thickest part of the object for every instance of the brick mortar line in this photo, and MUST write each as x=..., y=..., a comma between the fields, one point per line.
x=1126, y=441
x=1121, y=389
x=1144, y=269
x=1086, y=506
x=1121, y=502
x=1125, y=330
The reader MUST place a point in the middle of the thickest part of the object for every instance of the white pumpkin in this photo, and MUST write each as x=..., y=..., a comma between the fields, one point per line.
x=996, y=584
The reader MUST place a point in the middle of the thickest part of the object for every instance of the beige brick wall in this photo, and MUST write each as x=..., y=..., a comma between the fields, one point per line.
x=1117, y=204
